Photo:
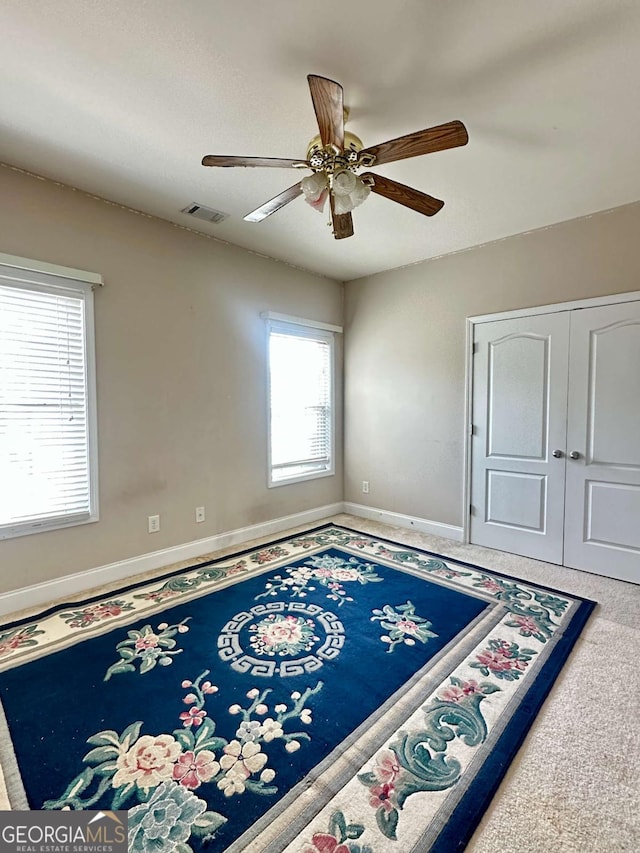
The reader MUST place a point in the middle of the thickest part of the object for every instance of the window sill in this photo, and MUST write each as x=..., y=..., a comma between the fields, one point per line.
x=45, y=526
x=299, y=478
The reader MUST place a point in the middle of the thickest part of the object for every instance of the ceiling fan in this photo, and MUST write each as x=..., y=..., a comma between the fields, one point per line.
x=336, y=156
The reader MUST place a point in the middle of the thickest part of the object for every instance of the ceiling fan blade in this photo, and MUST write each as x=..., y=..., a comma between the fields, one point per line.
x=274, y=204
x=342, y=223
x=416, y=200
x=328, y=103
x=427, y=141
x=215, y=160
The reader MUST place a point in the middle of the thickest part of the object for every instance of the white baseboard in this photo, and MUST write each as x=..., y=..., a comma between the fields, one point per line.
x=422, y=525
x=80, y=583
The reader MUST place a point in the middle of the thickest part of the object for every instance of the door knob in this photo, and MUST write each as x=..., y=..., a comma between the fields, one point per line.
x=557, y=454
x=574, y=455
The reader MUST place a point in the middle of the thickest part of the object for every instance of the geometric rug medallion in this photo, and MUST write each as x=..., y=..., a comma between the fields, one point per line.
x=330, y=692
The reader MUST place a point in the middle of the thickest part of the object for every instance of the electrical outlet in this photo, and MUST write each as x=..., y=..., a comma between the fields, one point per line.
x=365, y=487
x=154, y=523
x=200, y=515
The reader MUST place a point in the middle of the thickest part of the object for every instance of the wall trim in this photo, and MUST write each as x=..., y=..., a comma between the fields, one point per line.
x=80, y=584
x=300, y=321
x=28, y=264
x=411, y=522
x=554, y=307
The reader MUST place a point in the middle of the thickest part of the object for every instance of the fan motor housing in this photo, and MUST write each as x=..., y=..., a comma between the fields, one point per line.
x=330, y=159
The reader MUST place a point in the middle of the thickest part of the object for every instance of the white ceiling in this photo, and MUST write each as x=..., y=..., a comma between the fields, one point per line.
x=123, y=99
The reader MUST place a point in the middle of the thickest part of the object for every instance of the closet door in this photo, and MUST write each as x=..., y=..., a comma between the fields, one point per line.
x=602, y=532
x=519, y=432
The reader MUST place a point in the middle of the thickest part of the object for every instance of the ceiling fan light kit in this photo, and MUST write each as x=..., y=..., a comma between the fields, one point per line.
x=313, y=186
x=335, y=156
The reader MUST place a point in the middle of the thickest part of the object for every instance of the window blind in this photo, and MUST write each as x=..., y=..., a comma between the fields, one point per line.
x=301, y=416
x=45, y=465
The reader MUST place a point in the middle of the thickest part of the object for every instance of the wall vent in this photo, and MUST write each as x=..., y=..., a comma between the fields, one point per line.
x=206, y=213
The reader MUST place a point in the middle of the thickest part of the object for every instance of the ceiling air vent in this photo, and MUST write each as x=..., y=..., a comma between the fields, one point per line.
x=206, y=213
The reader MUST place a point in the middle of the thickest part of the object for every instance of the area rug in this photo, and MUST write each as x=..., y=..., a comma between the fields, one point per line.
x=331, y=692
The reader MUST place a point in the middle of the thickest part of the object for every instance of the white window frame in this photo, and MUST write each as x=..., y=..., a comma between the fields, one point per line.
x=50, y=278
x=317, y=331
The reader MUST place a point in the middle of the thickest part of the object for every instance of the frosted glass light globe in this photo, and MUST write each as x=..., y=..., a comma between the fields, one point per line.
x=360, y=192
x=342, y=204
x=313, y=185
x=344, y=183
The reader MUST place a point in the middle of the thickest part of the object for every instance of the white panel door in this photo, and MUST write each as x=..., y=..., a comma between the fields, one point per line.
x=602, y=532
x=520, y=369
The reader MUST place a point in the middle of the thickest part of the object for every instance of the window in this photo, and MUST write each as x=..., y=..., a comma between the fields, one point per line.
x=48, y=470
x=301, y=416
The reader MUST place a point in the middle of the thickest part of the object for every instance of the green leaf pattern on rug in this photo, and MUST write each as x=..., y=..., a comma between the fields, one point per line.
x=93, y=613
x=417, y=761
x=531, y=611
x=326, y=570
x=338, y=839
x=18, y=638
x=180, y=584
x=432, y=565
x=266, y=555
x=503, y=659
x=402, y=624
x=162, y=771
x=333, y=537
x=176, y=586
x=147, y=648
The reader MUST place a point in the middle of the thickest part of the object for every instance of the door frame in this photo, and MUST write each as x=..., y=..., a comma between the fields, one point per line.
x=471, y=322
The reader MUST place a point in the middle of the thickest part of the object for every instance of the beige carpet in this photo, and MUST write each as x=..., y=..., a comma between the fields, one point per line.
x=574, y=786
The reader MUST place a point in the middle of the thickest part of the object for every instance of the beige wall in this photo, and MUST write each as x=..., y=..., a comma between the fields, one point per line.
x=180, y=375
x=181, y=368
x=405, y=350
